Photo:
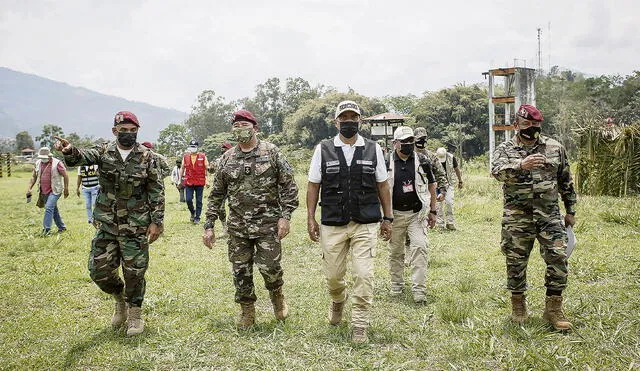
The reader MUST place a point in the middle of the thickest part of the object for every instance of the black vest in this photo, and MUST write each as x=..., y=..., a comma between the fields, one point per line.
x=349, y=192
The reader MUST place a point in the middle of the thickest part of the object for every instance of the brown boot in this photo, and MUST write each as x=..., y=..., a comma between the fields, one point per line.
x=280, y=308
x=120, y=312
x=519, y=308
x=135, y=323
x=554, y=315
x=359, y=335
x=335, y=313
x=248, y=316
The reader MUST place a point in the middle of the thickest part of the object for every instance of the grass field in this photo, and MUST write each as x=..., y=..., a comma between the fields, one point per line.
x=53, y=316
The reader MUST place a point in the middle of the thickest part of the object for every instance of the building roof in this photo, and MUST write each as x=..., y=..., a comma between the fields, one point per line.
x=387, y=116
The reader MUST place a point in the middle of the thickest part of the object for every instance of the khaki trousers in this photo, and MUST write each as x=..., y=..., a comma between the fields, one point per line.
x=408, y=223
x=358, y=240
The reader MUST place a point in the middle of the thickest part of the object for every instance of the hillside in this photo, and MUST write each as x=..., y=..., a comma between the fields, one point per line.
x=28, y=102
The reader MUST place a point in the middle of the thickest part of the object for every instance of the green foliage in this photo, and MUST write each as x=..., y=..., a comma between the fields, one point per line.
x=7, y=145
x=609, y=159
x=313, y=121
x=24, y=140
x=173, y=140
x=210, y=115
x=46, y=139
x=457, y=116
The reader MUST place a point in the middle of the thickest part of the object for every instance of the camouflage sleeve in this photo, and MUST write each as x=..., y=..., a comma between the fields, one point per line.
x=565, y=183
x=441, y=176
x=287, y=187
x=503, y=168
x=155, y=190
x=216, y=197
x=83, y=156
x=164, y=166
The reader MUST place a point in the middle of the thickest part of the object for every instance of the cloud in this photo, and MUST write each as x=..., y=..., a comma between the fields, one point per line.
x=166, y=52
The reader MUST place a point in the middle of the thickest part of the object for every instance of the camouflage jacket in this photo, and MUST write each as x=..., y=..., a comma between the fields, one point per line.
x=131, y=193
x=438, y=170
x=538, y=189
x=259, y=187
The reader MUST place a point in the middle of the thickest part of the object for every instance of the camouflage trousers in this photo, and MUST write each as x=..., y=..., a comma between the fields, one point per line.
x=109, y=252
x=518, y=236
x=265, y=252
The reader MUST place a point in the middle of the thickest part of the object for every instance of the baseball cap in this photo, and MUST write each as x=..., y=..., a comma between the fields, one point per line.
x=193, y=143
x=244, y=115
x=441, y=153
x=148, y=144
x=347, y=105
x=44, y=153
x=125, y=116
x=529, y=112
x=403, y=132
x=420, y=132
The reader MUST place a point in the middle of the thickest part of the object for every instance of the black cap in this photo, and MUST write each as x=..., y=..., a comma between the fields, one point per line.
x=193, y=142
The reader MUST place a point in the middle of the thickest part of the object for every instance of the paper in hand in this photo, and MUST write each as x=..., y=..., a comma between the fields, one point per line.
x=571, y=241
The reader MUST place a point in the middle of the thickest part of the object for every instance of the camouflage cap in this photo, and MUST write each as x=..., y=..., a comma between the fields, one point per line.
x=420, y=132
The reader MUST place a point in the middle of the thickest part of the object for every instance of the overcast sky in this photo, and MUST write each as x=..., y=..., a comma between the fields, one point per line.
x=166, y=52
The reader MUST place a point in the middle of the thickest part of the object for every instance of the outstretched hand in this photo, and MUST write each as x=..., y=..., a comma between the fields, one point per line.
x=62, y=144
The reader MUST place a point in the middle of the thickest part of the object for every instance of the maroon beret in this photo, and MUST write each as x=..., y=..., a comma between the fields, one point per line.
x=529, y=112
x=244, y=115
x=226, y=145
x=148, y=144
x=125, y=116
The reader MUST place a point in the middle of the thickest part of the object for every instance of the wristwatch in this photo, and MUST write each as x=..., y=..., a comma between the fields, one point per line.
x=387, y=218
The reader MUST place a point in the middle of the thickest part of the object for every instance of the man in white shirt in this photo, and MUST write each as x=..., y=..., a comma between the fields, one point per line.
x=348, y=174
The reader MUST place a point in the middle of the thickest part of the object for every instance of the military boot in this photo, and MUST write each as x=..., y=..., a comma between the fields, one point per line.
x=519, y=308
x=359, y=335
x=120, y=312
x=247, y=316
x=335, y=313
x=135, y=323
x=280, y=308
x=554, y=315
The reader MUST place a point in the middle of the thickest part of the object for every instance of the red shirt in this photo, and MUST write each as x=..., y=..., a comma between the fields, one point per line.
x=45, y=176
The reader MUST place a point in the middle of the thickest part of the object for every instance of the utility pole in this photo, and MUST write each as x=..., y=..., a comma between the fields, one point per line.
x=539, y=53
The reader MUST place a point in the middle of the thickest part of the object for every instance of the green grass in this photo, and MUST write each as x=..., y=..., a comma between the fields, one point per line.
x=53, y=316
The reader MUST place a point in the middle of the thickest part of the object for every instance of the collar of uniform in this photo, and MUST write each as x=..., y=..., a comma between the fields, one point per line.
x=339, y=143
x=396, y=157
x=254, y=152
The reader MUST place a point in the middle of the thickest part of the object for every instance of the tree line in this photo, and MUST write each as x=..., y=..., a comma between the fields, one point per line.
x=293, y=113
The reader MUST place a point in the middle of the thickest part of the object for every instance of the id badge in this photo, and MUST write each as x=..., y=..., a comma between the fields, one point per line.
x=407, y=188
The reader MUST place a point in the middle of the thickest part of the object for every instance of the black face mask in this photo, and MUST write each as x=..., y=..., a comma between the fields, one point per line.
x=348, y=128
x=530, y=133
x=406, y=148
x=127, y=139
x=420, y=143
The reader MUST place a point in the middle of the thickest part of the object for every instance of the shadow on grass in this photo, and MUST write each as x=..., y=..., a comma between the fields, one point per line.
x=102, y=338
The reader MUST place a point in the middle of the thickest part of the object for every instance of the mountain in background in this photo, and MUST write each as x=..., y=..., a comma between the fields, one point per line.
x=28, y=102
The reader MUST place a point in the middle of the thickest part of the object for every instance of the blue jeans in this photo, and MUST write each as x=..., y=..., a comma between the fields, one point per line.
x=189, y=195
x=90, y=195
x=51, y=213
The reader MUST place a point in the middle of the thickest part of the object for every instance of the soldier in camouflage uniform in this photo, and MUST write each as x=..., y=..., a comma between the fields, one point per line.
x=129, y=214
x=534, y=170
x=438, y=171
x=160, y=160
x=261, y=193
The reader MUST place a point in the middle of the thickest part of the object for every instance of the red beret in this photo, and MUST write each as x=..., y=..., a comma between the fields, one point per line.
x=529, y=112
x=125, y=116
x=148, y=144
x=244, y=115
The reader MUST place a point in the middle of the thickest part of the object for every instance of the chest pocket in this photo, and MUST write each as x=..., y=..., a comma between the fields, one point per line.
x=264, y=167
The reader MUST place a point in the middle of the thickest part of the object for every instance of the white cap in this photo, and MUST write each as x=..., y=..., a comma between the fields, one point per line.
x=347, y=105
x=402, y=132
x=441, y=153
x=44, y=153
